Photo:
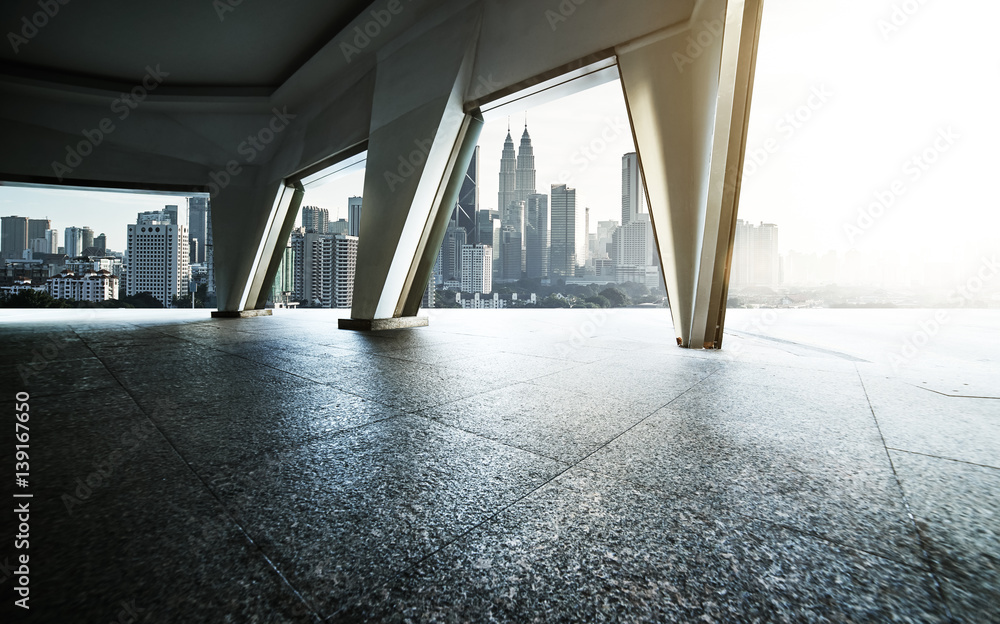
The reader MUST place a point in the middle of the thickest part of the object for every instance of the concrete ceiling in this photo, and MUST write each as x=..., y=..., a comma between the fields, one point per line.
x=255, y=45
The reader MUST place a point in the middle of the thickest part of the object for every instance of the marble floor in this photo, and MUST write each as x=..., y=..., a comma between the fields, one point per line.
x=507, y=466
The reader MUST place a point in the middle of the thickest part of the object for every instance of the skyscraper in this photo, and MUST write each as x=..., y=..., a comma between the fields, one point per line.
x=37, y=227
x=354, y=215
x=468, y=198
x=157, y=256
x=508, y=177
x=101, y=242
x=88, y=238
x=198, y=225
x=455, y=238
x=537, y=234
x=345, y=261
x=633, y=191
x=316, y=219
x=14, y=238
x=755, y=255
x=477, y=269
x=73, y=241
x=563, y=256
x=510, y=256
x=324, y=268
x=525, y=179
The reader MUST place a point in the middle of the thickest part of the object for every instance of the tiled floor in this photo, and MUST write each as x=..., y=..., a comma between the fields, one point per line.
x=514, y=466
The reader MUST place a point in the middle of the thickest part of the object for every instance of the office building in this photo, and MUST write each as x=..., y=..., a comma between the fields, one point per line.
x=316, y=219
x=101, y=243
x=563, y=231
x=755, y=255
x=325, y=265
x=198, y=215
x=340, y=226
x=537, y=252
x=477, y=269
x=73, y=241
x=354, y=205
x=157, y=257
x=468, y=198
x=14, y=238
x=37, y=228
x=510, y=253
x=633, y=191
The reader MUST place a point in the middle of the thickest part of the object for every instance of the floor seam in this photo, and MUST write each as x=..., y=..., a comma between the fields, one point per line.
x=924, y=552
x=949, y=459
x=225, y=509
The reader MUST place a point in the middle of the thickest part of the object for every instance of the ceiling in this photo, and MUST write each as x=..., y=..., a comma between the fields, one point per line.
x=200, y=43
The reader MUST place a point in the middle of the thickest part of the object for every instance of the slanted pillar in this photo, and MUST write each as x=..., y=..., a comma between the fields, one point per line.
x=250, y=225
x=688, y=92
x=419, y=147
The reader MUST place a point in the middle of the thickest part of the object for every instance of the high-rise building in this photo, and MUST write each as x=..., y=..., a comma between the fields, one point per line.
x=324, y=271
x=198, y=225
x=344, y=268
x=354, y=215
x=101, y=242
x=316, y=219
x=88, y=238
x=157, y=257
x=488, y=233
x=209, y=249
x=52, y=239
x=73, y=241
x=451, y=250
x=468, y=198
x=177, y=214
x=510, y=256
x=525, y=179
x=755, y=255
x=633, y=191
x=37, y=227
x=477, y=269
x=14, y=238
x=537, y=234
x=340, y=226
x=563, y=255
x=508, y=177
x=284, y=278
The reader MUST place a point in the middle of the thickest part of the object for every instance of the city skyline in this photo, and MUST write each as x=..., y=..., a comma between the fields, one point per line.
x=828, y=140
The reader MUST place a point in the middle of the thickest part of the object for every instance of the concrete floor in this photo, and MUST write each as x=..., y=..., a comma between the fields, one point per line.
x=514, y=466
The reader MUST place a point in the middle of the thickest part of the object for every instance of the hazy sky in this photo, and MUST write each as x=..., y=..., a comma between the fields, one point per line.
x=887, y=97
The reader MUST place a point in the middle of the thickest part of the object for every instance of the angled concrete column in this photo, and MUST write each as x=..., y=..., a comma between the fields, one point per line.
x=688, y=91
x=418, y=149
x=249, y=227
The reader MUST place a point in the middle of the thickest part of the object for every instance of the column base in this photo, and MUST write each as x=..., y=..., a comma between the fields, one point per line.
x=232, y=314
x=369, y=325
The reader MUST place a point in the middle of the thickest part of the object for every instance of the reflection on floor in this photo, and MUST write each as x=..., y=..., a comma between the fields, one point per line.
x=514, y=466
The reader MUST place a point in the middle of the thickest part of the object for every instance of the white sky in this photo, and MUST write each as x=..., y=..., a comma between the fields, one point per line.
x=890, y=98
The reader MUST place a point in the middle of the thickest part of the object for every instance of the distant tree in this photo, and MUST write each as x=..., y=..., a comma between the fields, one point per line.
x=553, y=302
x=599, y=301
x=144, y=300
x=617, y=298
x=32, y=299
x=634, y=290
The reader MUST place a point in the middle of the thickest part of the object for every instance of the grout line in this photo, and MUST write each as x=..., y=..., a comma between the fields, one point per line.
x=225, y=509
x=950, y=459
x=906, y=503
x=490, y=518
